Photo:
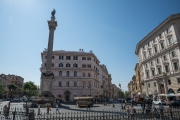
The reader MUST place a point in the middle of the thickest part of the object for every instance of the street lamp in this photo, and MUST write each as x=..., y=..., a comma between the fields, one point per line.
x=113, y=98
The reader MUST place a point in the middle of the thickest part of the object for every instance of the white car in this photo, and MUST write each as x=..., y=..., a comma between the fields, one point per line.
x=156, y=102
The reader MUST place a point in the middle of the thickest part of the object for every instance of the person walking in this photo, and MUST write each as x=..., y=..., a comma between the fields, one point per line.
x=88, y=106
x=161, y=108
x=39, y=111
x=143, y=107
x=57, y=107
x=128, y=111
x=132, y=112
x=48, y=108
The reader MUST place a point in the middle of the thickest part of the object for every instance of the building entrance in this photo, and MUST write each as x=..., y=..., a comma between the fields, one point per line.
x=67, y=95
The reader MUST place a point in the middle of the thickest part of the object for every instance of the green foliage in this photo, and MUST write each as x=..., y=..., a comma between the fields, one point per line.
x=30, y=89
x=2, y=90
x=12, y=87
x=126, y=93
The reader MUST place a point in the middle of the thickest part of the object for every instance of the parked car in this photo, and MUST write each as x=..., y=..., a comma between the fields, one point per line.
x=8, y=99
x=175, y=104
x=1, y=100
x=156, y=102
x=110, y=99
x=15, y=100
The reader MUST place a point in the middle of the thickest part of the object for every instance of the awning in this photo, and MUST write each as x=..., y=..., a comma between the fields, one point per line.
x=169, y=95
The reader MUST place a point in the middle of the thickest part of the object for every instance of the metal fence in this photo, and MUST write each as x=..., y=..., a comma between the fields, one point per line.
x=21, y=114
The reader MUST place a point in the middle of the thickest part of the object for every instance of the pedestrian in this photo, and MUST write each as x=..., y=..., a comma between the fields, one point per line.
x=143, y=107
x=5, y=110
x=57, y=106
x=125, y=102
x=132, y=111
x=128, y=111
x=48, y=109
x=161, y=108
x=39, y=111
x=88, y=105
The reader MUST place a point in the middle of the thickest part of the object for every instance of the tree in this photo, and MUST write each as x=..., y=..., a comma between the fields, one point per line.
x=126, y=93
x=2, y=90
x=30, y=89
x=12, y=87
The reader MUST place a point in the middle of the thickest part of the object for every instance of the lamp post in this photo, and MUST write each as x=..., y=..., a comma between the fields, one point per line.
x=113, y=98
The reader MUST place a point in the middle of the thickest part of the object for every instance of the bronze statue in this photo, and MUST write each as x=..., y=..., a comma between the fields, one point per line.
x=53, y=12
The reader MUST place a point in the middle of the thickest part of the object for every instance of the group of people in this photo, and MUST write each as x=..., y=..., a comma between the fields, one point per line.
x=6, y=110
x=148, y=109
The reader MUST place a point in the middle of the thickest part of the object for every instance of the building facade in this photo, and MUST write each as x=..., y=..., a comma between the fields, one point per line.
x=130, y=89
x=76, y=74
x=159, y=57
x=5, y=83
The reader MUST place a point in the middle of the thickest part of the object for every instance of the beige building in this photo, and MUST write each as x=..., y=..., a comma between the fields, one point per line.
x=105, y=82
x=76, y=74
x=115, y=91
x=130, y=89
x=159, y=58
x=17, y=80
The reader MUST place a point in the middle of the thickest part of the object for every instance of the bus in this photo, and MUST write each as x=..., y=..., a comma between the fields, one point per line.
x=83, y=101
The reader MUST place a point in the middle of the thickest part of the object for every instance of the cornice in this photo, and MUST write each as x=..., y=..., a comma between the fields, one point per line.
x=162, y=24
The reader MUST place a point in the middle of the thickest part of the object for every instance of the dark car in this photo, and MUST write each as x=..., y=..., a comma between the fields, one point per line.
x=15, y=100
x=175, y=104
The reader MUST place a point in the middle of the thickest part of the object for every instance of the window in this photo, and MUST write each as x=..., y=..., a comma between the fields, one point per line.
x=67, y=84
x=75, y=65
x=45, y=57
x=170, y=40
x=167, y=68
x=155, y=49
x=68, y=57
x=160, y=35
x=147, y=74
x=169, y=82
x=143, y=47
x=52, y=57
x=149, y=85
x=154, y=40
x=178, y=80
x=162, y=45
x=146, y=65
x=157, y=60
x=75, y=84
x=144, y=55
x=67, y=74
x=83, y=74
x=60, y=57
x=89, y=75
x=83, y=58
x=52, y=64
x=60, y=73
x=153, y=72
x=148, y=44
x=75, y=74
x=88, y=66
x=167, y=30
x=60, y=65
x=45, y=64
x=89, y=84
x=88, y=58
x=175, y=65
x=152, y=63
x=173, y=54
x=164, y=57
x=159, y=70
x=59, y=84
x=149, y=53
x=154, y=84
x=83, y=65
x=75, y=57
x=68, y=65
x=84, y=84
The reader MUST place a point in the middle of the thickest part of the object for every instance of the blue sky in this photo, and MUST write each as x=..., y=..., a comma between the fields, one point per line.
x=110, y=28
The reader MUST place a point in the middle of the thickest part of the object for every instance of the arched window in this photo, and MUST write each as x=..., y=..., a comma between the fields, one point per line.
x=75, y=74
x=89, y=75
x=59, y=84
x=60, y=65
x=178, y=90
x=169, y=82
x=68, y=65
x=75, y=84
x=67, y=74
x=67, y=84
x=60, y=73
x=75, y=65
x=171, y=91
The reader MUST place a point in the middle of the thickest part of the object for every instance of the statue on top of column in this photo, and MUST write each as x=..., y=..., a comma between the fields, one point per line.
x=53, y=12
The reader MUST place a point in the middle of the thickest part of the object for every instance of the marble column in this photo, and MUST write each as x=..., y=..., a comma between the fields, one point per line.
x=48, y=76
